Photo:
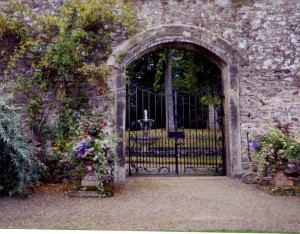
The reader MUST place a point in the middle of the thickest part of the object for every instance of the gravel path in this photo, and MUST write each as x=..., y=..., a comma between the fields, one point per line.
x=157, y=203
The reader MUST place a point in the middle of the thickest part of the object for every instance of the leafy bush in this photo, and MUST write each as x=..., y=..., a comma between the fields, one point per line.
x=55, y=55
x=276, y=148
x=17, y=168
x=94, y=148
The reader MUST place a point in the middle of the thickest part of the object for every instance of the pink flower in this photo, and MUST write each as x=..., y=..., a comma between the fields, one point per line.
x=95, y=158
x=91, y=149
x=84, y=155
x=290, y=165
x=61, y=161
x=89, y=168
x=108, y=155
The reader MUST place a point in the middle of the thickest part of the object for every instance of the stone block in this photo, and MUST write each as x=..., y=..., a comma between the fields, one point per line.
x=89, y=181
x=280, y=179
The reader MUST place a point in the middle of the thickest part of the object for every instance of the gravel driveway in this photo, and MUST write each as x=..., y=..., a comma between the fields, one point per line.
x=157, y=203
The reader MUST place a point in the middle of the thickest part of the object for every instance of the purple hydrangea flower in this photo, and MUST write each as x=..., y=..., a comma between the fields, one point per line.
x=81, y=149
x=255, y=144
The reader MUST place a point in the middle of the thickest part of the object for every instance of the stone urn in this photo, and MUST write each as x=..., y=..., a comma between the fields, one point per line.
x=89, y=180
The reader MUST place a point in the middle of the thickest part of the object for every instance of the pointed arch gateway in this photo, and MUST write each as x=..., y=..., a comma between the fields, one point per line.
x=201, y=41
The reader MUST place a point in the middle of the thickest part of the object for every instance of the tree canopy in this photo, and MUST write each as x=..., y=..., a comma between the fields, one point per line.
x=190, y=71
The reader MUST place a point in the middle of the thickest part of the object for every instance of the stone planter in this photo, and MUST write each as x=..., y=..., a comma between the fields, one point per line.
x=89, y=180
x=90, y=183
x=280, y=179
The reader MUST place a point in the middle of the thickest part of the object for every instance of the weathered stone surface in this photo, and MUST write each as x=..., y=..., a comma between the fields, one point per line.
x=250, y=178
x=255, y=44
x=280, y=179
x=89, y=181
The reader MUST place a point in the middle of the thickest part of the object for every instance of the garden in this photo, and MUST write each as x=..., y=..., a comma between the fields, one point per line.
x=277, y=155
x=51, y=62
x=51, y=65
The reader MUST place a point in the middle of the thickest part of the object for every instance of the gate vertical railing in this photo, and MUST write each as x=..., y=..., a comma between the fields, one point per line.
x=192, y=147
x=176, y=128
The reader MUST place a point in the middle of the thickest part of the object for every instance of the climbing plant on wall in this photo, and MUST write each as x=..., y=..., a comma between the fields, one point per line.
x=50, y=57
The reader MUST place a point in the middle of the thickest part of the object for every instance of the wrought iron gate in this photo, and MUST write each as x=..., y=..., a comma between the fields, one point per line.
x=183, y=137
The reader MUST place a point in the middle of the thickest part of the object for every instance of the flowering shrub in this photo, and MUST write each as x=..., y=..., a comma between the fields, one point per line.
x=276, y=148
x=93, y=126
x=94, y=147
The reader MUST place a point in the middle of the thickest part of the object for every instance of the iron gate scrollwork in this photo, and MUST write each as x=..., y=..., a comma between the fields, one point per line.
x=184, y=138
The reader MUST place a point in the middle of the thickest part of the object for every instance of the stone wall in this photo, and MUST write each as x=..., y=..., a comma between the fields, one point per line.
x=265, y=33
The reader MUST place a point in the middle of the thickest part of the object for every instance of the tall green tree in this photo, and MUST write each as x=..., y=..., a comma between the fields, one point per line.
x=169, y=69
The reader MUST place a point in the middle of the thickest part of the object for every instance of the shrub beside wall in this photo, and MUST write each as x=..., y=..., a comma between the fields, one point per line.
x=17, y=166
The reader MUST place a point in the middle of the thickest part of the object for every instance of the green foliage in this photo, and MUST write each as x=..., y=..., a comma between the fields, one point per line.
x=276, y=148
x=65, y=49
x=211, y=100
x=91, y=145
x=65, y=128
x=68, y=121
x=57, y=53
x=158, y=85
x=190, y=71
x=12, y=24
x=17, y=167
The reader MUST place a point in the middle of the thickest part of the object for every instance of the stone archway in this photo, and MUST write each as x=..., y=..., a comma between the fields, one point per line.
x=193, y=38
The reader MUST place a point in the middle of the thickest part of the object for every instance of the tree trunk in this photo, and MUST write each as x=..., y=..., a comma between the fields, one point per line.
x=169, y=93
x=212, y=118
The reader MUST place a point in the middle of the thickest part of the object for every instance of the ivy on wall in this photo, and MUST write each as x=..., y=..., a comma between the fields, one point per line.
x=48, y=58
x=66, y=48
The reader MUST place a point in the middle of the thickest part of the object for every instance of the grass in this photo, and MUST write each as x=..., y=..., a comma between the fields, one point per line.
x=198, y=149
x=193, y=138
x=160, y=159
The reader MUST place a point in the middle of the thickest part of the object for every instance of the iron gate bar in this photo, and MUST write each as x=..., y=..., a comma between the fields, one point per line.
x=184, y=151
